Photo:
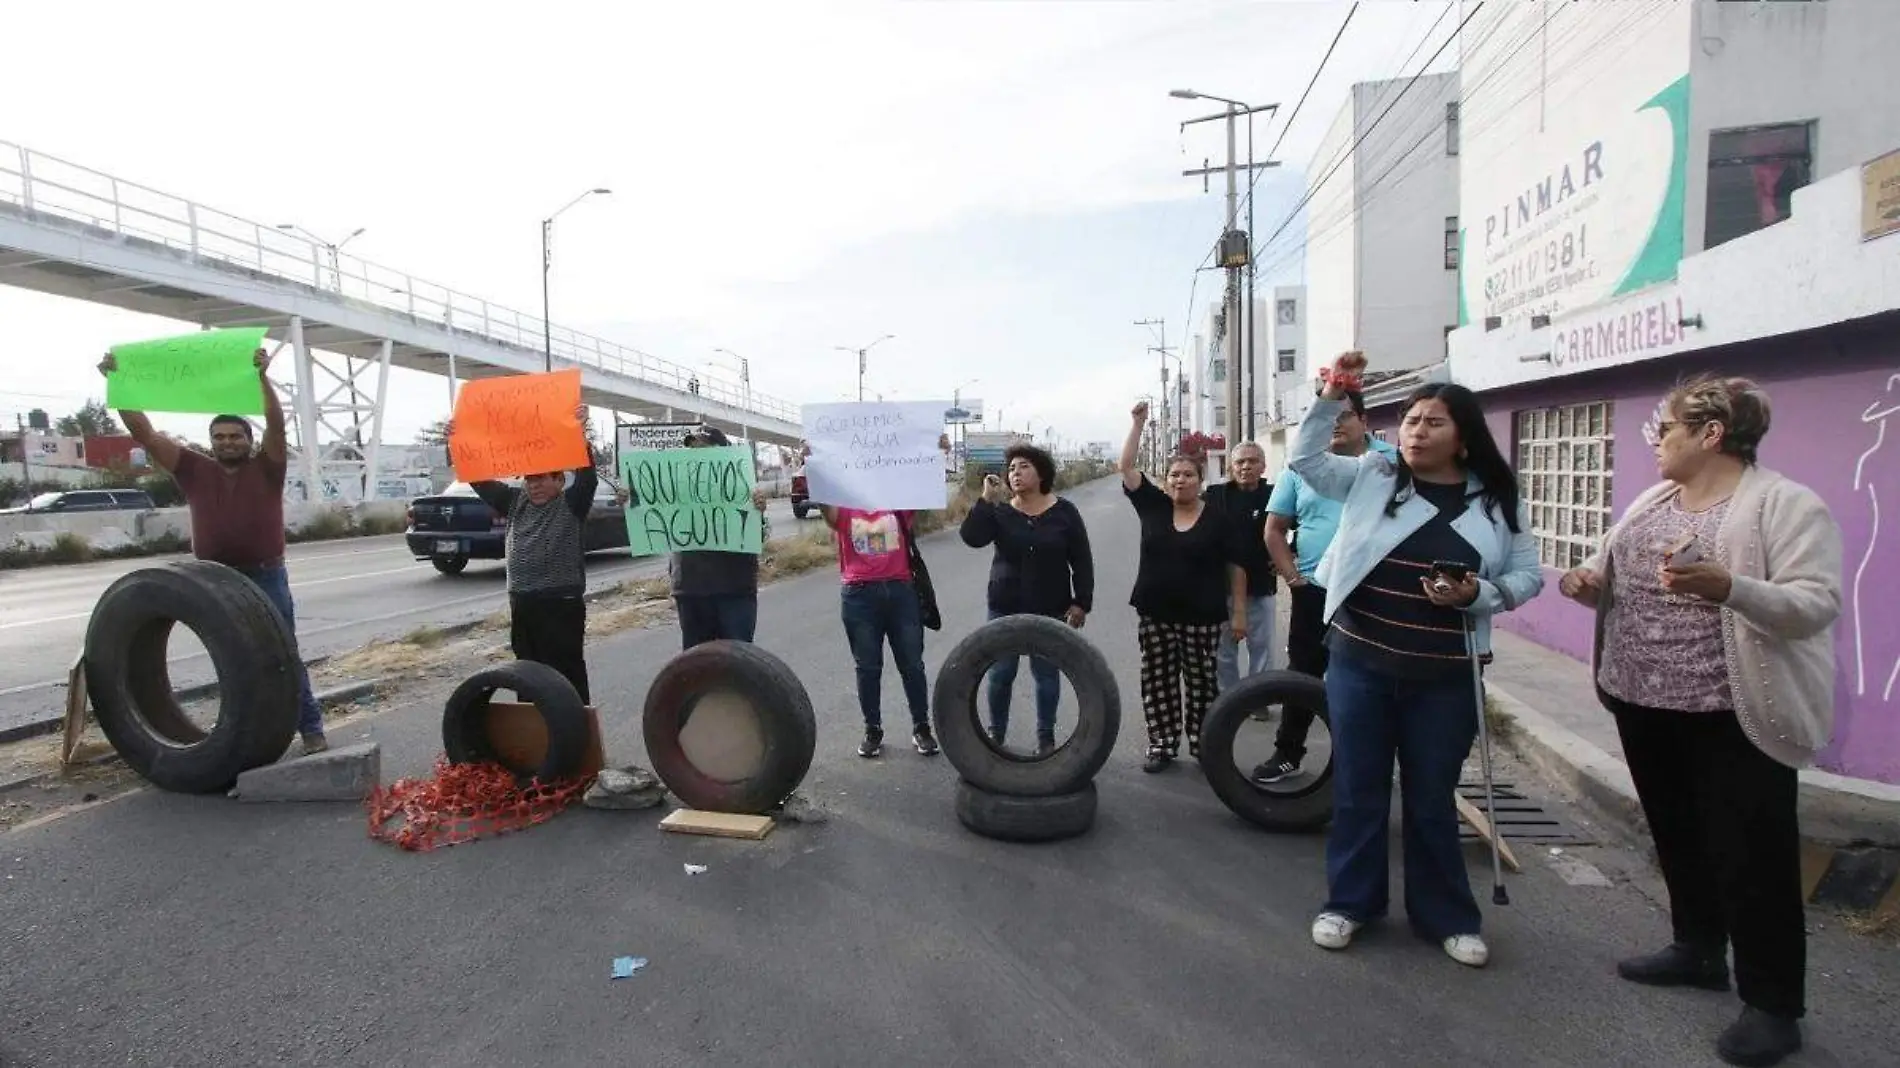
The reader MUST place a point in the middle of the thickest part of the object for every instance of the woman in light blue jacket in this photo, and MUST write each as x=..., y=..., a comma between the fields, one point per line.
x=1429, y=547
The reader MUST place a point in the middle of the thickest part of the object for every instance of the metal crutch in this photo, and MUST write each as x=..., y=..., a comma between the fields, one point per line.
x=1498, y=894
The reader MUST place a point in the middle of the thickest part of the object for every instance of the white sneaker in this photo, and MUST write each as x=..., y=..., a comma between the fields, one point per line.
x=1333, y=931
x=1468, y=950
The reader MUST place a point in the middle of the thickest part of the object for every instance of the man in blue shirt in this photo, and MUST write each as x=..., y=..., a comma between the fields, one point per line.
x=1295, y=505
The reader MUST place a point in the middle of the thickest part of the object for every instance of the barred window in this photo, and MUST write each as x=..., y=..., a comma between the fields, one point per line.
x=1565, y=457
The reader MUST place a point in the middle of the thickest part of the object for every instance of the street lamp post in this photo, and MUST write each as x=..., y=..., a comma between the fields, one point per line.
x=962, y=427
x=547, y=263
x=861, y=359
x=331, y=247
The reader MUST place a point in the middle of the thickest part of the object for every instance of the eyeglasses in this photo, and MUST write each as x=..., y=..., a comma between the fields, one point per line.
x=1654, y=433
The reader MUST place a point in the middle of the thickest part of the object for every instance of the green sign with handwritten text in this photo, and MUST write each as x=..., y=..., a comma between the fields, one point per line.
x=690, y=500
x=213, y=372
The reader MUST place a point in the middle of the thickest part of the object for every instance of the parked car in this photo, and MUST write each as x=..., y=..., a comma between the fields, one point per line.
x=451, y=528
x=70, y=501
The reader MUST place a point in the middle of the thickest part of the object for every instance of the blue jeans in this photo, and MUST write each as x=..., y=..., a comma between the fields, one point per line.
x=880, y=612
x=716, y=617
x=1260, y=617
x=275, y=582
x=1048, y=691
x=1430, y=727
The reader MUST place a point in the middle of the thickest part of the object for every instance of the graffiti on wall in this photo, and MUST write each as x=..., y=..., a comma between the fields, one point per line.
x=1877, y=415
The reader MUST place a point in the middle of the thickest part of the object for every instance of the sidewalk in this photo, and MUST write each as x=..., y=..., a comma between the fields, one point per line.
x=1850, y=827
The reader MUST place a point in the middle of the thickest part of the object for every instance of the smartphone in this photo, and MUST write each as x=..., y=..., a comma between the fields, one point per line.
x=1451, y=570
x=1683, y=553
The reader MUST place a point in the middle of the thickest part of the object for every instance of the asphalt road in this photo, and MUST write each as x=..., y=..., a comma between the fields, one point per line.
x=349, y=593
x=163, y=929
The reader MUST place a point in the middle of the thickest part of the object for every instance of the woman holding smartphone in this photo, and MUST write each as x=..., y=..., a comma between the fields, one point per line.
x=1430, y=545
x=1715, y=596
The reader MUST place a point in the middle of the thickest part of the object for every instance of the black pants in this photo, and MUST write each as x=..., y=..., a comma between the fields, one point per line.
x=1305, y=653
x=551, y=631
x=1722, y=814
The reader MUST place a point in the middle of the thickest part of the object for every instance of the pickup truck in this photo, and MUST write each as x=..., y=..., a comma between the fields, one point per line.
x=451, y=528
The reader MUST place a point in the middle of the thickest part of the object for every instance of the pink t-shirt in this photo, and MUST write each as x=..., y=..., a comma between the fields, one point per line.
x=871, y=546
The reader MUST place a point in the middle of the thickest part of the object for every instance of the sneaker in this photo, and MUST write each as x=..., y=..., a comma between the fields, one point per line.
x=1157, y=760
x=1333, y=931
x=1278, y=767
x=1677, y=965
x=1045, y=743
x=873, y=743
x=1758, y=1038
x=998, y=736
x=925, y=742
x=1468, y=950
x=314, y=742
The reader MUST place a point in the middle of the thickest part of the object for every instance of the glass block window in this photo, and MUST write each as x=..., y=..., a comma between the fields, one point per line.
x=1565, y=457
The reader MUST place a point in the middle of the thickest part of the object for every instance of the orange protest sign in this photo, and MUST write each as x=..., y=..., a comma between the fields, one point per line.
x=518, y=425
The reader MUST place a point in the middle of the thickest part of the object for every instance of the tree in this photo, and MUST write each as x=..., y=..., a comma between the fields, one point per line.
x=93, y=419
x=436, y=433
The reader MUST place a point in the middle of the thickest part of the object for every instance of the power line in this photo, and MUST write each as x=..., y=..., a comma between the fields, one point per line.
x=1615, y=33
x=1373, y=125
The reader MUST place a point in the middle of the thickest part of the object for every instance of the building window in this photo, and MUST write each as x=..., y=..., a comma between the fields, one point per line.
x=1451, y=242
x=1217, y=369
x=1753, y=174
x=1289, y=360
x=1287, y=312
x=1451, y=128
x=1379, y=435
x=1565, y=457
x=1220, y=415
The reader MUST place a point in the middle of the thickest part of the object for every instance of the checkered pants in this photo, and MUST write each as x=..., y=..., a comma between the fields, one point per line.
x=1174, y=655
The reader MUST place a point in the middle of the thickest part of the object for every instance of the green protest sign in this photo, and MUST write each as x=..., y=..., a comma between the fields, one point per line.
x=690, y=500
x=213, y=372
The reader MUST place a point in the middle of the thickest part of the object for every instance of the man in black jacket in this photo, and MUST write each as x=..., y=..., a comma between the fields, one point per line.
x=1243, y=501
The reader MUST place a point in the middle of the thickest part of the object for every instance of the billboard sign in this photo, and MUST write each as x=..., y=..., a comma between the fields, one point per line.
x=1572, y=194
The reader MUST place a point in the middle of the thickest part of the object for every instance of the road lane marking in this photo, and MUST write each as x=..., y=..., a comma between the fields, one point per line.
x=294, y=587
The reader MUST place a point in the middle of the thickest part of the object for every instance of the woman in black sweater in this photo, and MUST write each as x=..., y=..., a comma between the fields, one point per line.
x=1043, y=567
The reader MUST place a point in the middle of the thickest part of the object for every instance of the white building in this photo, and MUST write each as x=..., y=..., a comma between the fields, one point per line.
x=1382, y=226
x=1658, y=190
x=1276, y=368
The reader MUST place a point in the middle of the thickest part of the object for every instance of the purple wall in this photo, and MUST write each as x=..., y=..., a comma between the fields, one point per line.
x=1835, y=392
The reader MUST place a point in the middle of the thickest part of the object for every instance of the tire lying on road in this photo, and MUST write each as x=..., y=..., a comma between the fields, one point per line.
x=1303, y=809
x=960, y=729
x=252, y=652
x=465, y=718
x=1026, y=819
x=729, y=728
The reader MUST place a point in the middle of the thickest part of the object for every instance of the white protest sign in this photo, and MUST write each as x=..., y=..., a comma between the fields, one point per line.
x=876, y=456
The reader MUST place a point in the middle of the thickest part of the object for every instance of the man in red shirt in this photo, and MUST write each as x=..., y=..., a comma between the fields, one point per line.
x=236, y=497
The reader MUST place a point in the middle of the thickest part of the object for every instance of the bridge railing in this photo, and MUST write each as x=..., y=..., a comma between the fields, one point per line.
x=52, y=186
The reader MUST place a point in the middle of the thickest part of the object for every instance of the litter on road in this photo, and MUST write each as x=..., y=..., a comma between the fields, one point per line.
x=624, y=967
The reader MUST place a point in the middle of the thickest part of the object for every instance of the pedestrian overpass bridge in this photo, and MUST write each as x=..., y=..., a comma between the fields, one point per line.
x=76, y=232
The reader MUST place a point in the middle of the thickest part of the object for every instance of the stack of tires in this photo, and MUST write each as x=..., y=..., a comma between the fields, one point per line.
x=1023, y=798
x=129, y=680
x=1303, y=805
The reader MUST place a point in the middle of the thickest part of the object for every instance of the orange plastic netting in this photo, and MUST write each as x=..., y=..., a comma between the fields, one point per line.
x=463, y=802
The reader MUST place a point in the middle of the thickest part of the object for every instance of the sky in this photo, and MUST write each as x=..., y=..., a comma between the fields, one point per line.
x=995, y=183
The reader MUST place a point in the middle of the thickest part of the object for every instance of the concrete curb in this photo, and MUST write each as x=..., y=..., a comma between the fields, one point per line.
x=342, y=695
x=1849, y=830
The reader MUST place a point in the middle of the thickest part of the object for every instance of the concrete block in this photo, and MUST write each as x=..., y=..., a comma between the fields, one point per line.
x=345, y=774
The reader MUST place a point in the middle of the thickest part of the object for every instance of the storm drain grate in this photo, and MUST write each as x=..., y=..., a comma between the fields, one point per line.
x=1520, y=818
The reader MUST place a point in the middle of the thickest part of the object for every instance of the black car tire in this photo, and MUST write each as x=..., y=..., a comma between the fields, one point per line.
x=465, y=718
x=450, y=565
x=1026, y=819
x=954, y=707
x=787, y=726
x=253, y=654
x=1306, y=809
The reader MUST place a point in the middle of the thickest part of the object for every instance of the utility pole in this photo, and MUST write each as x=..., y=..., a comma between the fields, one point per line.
x=1161, y=351
x=26, y=472
x=1236, y=255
